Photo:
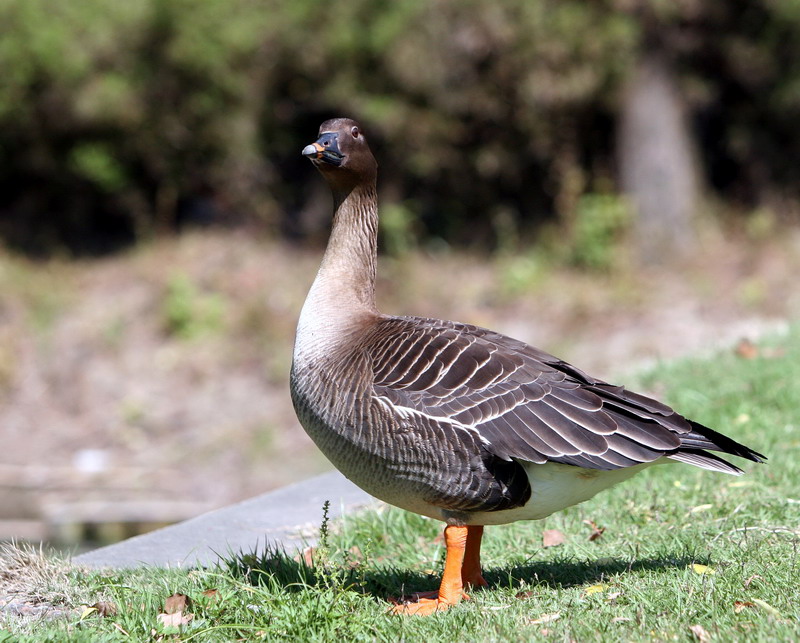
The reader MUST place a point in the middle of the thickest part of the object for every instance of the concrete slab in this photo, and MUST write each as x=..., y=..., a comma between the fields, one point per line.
x=288, y=517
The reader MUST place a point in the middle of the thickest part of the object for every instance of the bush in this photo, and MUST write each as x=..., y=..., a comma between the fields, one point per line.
x=119, y=120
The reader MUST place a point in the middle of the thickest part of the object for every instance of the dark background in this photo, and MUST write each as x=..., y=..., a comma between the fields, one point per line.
x=122, y=121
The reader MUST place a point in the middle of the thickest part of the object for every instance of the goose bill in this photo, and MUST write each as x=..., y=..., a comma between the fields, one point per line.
x=325, y=149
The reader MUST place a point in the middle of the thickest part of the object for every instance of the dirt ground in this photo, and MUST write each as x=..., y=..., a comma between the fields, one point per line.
x=160, y=376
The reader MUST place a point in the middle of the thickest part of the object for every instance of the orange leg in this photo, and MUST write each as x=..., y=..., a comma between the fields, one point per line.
x=471, y=570
x=461, y=567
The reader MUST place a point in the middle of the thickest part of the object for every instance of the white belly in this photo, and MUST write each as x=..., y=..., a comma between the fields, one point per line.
x=555, y=487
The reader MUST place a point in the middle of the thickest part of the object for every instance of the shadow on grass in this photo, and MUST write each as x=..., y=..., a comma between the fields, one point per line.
x=274, y=567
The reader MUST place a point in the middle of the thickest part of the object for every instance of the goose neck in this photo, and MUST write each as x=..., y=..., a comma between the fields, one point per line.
x=343, y=293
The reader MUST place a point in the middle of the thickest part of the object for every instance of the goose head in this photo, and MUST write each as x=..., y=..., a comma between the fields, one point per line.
x=342, y=155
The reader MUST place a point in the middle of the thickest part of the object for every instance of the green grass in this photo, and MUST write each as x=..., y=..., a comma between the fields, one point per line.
x=639, y=581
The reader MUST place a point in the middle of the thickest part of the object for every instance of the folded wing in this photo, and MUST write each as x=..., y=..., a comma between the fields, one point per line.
x=525, y=404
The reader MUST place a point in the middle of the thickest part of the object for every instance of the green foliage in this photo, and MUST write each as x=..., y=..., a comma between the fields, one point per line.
x=397, y=223
x=521, y=273
x=115, y=114
x=188, y=312
x=96, y=162
x=600, y=223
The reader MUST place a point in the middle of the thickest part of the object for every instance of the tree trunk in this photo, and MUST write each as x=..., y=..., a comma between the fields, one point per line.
x=657, y=166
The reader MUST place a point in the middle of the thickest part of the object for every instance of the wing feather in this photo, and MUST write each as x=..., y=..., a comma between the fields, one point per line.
x=526, y=404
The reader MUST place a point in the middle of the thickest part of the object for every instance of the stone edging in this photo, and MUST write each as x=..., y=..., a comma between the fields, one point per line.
x=288, y=517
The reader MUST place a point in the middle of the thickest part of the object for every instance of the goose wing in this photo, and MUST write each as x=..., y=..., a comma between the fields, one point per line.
x=528, y=405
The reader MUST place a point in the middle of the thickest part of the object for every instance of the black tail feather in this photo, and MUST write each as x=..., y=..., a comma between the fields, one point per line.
x=702, y=437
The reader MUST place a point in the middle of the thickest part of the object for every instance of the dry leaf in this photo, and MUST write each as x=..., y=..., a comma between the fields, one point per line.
x=307, y=556
x=355, y=557
x=746, y=349
x=700, y=508
x=526, y=594
x=738, y=606
x=596, y=531
x=621, y=619
x=613, y=596
x=105, y=608
x=211, y=593
x=175, y=603
x=552, y=538
x=87, y=610
x=751, y=579
x=546, y=618
x=700, y=633
x=697, y=568
x=175, y=620
x=595, y=589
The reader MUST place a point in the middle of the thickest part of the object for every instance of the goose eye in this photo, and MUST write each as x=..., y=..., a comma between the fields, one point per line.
x=354, y=132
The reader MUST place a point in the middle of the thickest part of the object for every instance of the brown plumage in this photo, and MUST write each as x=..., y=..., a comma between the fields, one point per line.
x=450, y=420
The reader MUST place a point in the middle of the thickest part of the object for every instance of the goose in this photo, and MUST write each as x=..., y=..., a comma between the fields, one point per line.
x=453, y=421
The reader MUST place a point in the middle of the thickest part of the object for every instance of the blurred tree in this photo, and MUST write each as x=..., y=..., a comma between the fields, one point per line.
x=118, y=120
x=657, y=167
x=114, y=116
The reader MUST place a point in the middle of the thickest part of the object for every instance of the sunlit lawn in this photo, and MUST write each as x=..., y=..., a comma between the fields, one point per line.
x=684, y=555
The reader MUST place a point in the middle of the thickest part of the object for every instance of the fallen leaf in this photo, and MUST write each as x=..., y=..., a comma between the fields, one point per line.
x=767, y=607
x=700, y=633
x=552, y=538
x=87, y=610
x=746, y=349
x=175, y=603
x=697, y=568
x=596, y=531
x=546, y=618
x=700, y=508
x=211, y=593
x=306, y=556
x=595, y=589
x=739, y=606
x=613, y=596
x=621, y=619
x=175, y=620
x=526, y=594
x=105, y=608
x=751, y=579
